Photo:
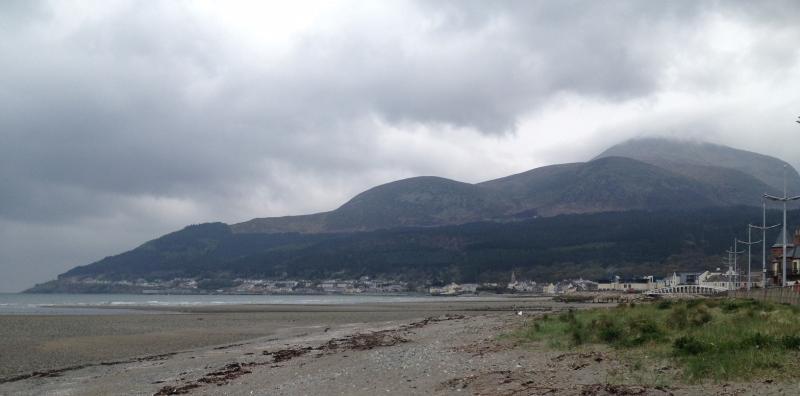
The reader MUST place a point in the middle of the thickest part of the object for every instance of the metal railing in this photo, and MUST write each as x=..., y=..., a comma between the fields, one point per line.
x=687, y=289
x=785, y=295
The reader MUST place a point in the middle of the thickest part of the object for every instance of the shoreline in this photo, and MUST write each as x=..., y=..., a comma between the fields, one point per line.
x=202, y=370
x=49, y=304
x=404, y=351
x=46, y=342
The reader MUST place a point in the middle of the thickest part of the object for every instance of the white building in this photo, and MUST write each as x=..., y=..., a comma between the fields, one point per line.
x=617, y=284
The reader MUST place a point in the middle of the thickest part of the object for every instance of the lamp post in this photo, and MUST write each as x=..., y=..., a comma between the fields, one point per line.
x=735, y=252
x=729, y=263
x=783, y=199
x=763, y=227
x=749, y=244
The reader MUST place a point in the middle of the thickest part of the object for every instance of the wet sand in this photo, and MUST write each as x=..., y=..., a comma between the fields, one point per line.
x=39, y=343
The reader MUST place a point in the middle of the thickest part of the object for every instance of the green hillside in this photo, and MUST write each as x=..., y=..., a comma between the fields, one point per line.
x=551, y=248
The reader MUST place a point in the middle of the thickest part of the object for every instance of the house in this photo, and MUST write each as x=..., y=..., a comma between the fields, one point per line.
x=792, y=258
x=522, y=286
x=452, y=289
x=687, y=278
x=525, y=286
x=672, y=280
x=636, y=284
x=471, y=288
x=575, y=285
x=584, y=285
x=717, y=279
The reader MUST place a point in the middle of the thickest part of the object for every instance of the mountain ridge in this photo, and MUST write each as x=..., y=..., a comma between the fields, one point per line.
x=545, y=249
x=633, y=175
x=667, y=153
x=573, y=216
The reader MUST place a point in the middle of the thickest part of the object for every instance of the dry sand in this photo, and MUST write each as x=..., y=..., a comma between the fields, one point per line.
x=356, y=351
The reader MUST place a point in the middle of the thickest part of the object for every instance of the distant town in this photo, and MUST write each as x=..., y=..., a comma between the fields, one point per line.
x=738, y=275
x=365, y=285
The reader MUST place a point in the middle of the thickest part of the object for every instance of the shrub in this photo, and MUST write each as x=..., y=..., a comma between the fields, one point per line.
x=688, y=345
x=576, y=333
x=608, y=330
x=712, y=303
x=699, y=316
x=757, y=340
x=711, y=338
x=567, y=317
x=643, y=330
x=664, y=304
x=728, y=307
x=678, y=318
x=694, y=303
x=790, y=342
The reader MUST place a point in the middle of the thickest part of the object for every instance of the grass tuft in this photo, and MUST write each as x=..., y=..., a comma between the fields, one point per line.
x=738, y=339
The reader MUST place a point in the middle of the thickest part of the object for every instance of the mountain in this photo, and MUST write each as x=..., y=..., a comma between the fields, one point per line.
x=418, y=201
x=716, y=161
x=602, y=185
x=640, y=204
x=546, y=249
x=643, y=174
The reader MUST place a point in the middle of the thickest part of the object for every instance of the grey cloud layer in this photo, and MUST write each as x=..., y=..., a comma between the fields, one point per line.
x=152, y=101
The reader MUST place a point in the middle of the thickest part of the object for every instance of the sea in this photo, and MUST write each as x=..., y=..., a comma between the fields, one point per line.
x=105, y=304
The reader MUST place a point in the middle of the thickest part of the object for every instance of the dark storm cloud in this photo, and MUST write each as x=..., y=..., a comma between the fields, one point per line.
x=123, y=120
x=479, y=68
x=109, y=106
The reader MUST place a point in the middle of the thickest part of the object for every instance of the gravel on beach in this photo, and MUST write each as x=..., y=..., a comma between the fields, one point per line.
x=412, y=350
x=39, y=342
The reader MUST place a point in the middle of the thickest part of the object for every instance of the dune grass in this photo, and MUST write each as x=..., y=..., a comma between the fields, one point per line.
x=720, y=339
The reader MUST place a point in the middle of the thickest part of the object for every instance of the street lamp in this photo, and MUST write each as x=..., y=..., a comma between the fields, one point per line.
x=729, y=264
x=735, y=252
x=783, y=199
x=763, y=227
x=749, y=244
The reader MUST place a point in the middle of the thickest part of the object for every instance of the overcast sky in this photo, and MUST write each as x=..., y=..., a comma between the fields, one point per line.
x=123, y=120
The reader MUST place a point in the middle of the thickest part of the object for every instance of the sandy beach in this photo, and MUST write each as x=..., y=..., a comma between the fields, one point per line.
x=439, y=348
x=47, y=342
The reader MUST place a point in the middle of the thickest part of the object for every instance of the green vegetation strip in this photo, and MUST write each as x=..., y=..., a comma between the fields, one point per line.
x=717, y=339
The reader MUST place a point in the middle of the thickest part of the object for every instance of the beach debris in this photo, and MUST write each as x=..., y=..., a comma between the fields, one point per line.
x=578, y=366
x=508, y=383
x=358, y=341
x=488, y=345
x=229, y=372
x=176, y=390
x=613, y=389
x=499, y=382
x=287, y=354
x=364, y=341
x=457, y=383
x=60, y=371
x=227, y=346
